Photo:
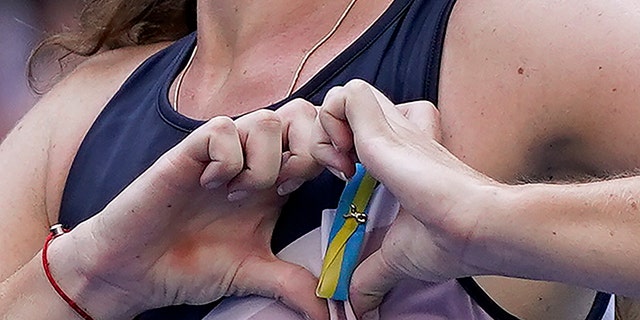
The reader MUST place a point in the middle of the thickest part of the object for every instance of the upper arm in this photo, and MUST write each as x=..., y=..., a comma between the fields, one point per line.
x=543, y=89
x=23, y=159
x=562, y=78
x=36, y=156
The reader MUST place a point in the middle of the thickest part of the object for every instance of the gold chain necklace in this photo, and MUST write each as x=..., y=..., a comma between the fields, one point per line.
x=296, y=75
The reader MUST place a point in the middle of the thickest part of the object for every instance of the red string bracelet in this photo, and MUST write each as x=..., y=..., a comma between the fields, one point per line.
x=57, y=231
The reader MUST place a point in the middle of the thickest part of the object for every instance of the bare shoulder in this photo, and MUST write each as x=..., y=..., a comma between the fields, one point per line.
x=100, y=76
x=563, y=71
x=587, y=41
x=37, y=154
x=543, y=89
x=550, y=19
x=75, y=102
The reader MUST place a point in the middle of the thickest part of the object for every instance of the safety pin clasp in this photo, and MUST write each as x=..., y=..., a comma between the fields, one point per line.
x=360, y=217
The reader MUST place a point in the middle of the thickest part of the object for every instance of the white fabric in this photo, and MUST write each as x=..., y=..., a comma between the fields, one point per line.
x=410, y=300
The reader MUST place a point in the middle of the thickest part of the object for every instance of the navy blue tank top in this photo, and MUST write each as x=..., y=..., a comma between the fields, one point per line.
x=399, y=54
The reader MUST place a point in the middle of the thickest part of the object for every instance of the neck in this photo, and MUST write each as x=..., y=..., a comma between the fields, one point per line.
x=259, y=44
x=228, y=28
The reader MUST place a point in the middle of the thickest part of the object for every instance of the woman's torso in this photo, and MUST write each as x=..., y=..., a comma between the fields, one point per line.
x=400, y=55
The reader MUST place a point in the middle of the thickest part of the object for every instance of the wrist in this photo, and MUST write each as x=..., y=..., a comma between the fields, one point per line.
x=481, y=227
x=75, y=272
x=506, y=236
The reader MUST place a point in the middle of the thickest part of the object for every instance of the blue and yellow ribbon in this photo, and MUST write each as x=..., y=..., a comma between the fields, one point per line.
x=346, y=237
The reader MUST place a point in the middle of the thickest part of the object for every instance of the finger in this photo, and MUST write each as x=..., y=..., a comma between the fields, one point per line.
x=371, y=281
x=224, y=153
x=324, y=153
x=332, y=150
x=421, y=115
x=209, y=155
x=260, y=133
x=383, y=269
x=354, y=111
x=296, y=115
x=298, y=118
x=215, y=143
x=345, y=107
x=349, y=115
x=334, y=120
x=387, y=107
x=296, y=170
x=425, y=116
x=290, y=283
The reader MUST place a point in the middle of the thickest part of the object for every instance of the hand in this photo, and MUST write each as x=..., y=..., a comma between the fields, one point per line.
x=298, y=165
x=196, y=226
x=399, y=146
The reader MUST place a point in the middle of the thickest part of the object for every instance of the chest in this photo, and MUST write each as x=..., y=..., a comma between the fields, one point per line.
x=272, y=68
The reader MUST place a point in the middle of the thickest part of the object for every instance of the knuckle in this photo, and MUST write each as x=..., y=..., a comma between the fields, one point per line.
x=272, y=125
x=435, y=116
x=267, y=119
x=280, y=285
x=325, y=114
x=293, y=105
x=296, y=275
x=305, y=108
x=264, y=114
x=357, y=85
x=308, y=110
x=297, y=108
x=299, y=101
x=334, y=93
x=222, y=124
x=430, y=108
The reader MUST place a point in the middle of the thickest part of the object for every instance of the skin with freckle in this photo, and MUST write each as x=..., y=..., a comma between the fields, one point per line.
x=187, y=200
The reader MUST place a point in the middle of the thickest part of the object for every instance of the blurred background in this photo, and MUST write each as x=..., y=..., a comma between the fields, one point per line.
x=23, y=23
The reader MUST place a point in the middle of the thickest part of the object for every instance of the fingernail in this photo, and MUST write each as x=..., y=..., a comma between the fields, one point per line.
x=213, y=184
x=289, y=186
x=237, y=195
x=286, y=156
x=338, y=173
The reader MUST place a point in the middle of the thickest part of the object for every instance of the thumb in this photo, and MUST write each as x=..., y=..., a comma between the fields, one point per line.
x=371, y=281
x=349, y=115
x=290, y=283
x=365, y=110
